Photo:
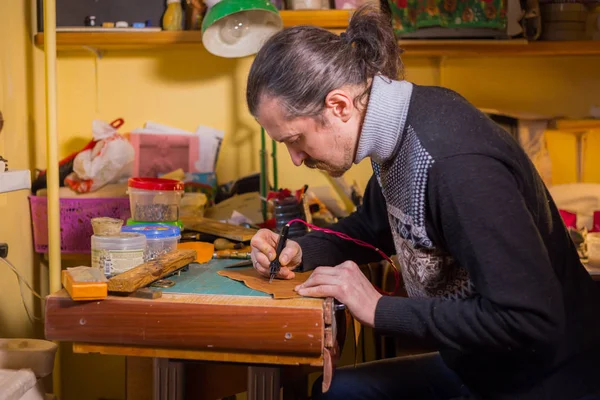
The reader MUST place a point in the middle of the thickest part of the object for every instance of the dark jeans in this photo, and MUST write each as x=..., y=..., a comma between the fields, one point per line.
x=422, y=377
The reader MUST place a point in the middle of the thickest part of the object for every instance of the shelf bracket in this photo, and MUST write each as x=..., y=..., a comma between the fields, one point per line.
x=97, y=52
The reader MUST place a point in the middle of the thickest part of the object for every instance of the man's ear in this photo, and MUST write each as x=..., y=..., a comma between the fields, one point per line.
x=340, y=103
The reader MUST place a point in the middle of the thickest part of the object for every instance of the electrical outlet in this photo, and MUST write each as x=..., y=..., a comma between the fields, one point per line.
x=3, y=250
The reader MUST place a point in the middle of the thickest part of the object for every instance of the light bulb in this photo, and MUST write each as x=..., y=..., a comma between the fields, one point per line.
x=235, y=28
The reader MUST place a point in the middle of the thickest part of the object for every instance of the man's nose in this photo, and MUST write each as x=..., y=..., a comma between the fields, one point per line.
x=297, y=156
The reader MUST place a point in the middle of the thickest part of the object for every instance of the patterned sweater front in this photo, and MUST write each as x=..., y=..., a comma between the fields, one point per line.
x=494, y=281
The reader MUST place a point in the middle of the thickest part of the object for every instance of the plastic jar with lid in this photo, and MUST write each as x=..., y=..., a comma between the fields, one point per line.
x=154, y=199
x=115, y=254
x=160, y=239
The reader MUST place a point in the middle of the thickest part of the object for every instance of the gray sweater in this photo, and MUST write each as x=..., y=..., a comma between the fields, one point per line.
x=495, y=283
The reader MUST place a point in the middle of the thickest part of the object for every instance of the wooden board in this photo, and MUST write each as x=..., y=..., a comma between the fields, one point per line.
x=216, y=228
x=576, y=125
x=136, y=41
x=205, y=355
x=193, y=322
x=331, y=19
x=145, y=274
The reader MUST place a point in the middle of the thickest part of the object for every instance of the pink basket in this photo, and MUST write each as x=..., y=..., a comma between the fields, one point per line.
x=75, y=220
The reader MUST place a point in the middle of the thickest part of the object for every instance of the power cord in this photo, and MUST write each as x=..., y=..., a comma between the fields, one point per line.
x=360, y=243
x=3, y=254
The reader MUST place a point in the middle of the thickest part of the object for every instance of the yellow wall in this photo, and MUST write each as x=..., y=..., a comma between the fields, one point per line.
x=557, y=86
x=591, y=159
x=17, y=90
x=562, y=147
x=185, y=87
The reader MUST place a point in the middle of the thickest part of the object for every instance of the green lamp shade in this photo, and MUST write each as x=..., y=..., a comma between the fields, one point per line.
x=238, y=28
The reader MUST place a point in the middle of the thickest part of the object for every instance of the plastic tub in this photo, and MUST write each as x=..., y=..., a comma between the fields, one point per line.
x=154, y=199
x=178, y=224
x=115, y=254
x=34, y=354
x=160, y=239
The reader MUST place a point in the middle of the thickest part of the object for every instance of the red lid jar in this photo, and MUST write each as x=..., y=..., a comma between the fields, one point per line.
x=154, y=199
x=157, y=184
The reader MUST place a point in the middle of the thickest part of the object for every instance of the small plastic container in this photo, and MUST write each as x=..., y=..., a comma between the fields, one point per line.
x=154, y=199
x=160, y=238
x=115, y=254
x=178, y=224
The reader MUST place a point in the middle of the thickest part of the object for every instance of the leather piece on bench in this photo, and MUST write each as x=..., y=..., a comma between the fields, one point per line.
x=279, y=288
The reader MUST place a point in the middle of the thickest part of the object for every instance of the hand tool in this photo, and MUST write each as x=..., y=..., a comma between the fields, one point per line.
x=224, y=244
x=245, y=263
x=243, y=254
x=275, y=265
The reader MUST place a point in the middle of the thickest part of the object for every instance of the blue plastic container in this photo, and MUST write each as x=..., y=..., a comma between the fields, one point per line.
x=160, y=238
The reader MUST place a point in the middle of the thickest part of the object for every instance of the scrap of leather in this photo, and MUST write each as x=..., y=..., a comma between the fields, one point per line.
x=279, y=288
x=328, y=368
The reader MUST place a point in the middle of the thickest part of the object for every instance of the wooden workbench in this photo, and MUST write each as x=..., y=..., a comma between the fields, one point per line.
x=204, y=317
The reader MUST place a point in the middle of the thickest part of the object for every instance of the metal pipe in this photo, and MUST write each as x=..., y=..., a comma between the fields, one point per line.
x=274, y=157
x=52, y=161
x=52, y=145
x=263, y=172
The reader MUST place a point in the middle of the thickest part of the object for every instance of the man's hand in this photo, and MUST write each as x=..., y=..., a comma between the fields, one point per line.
x=347, y=284
x=263, y=252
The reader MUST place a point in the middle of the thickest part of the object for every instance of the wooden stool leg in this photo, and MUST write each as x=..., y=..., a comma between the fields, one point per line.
x=168, y=379
x=264, y=383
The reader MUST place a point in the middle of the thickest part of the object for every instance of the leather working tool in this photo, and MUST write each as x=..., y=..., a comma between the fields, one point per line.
x=275, y=265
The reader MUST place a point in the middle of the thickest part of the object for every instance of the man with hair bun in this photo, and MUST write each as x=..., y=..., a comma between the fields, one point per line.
x=496, y=288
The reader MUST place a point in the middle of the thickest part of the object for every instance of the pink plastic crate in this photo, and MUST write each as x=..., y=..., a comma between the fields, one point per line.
x=75, y=220
x=157, y=154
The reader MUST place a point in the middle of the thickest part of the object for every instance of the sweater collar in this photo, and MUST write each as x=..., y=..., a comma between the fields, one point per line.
x=384, y=119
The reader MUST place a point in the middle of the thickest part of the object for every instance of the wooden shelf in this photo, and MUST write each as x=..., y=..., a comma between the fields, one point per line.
x=498, y=48
x=121, y=40
x=335, y=20
x=331, y=19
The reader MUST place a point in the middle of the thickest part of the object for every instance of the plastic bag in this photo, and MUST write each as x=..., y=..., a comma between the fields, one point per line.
x=110, y=160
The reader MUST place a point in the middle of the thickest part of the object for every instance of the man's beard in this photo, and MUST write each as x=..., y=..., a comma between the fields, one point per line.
x=323, y=166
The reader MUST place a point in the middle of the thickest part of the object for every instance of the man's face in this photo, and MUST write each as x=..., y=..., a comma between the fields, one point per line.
x=327, y=142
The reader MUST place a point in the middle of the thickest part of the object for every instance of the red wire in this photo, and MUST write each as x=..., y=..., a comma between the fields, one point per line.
x=360, y=243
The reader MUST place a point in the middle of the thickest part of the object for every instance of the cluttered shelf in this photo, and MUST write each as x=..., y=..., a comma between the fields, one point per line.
x=336, y=20
x=427, y=48
x=330, y=19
